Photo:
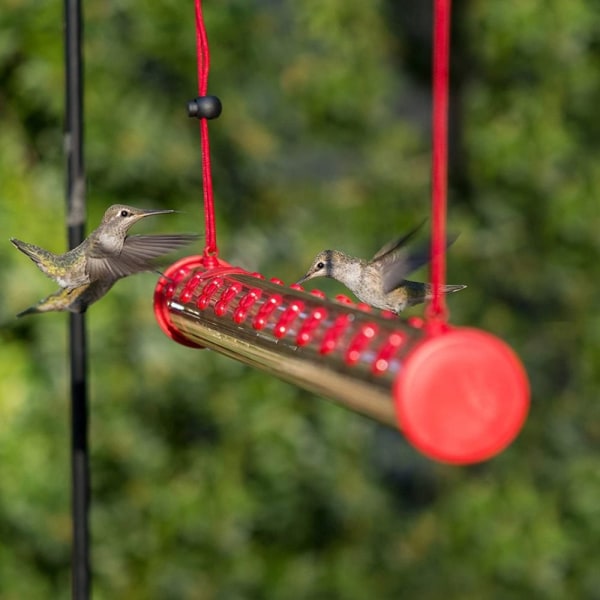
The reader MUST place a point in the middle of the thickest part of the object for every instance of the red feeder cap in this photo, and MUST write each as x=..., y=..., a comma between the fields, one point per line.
x=462, y=396
x=172, y=275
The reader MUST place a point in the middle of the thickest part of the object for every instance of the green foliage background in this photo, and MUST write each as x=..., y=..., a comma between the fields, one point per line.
x=211, y=480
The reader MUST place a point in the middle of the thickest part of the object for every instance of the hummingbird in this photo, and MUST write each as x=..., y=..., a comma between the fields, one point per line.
x=108, y=254
x=380, y=282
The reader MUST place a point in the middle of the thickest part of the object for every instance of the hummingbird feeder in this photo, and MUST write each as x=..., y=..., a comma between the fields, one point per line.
x=460, y=395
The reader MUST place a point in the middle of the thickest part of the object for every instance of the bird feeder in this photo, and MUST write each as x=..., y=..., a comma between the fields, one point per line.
x=460, y=395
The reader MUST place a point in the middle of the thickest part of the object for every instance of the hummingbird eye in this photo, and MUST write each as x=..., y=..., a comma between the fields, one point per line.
x=124, y=213
x=320, y=265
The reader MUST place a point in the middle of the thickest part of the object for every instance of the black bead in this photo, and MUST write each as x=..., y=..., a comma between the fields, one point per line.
x=205, y=107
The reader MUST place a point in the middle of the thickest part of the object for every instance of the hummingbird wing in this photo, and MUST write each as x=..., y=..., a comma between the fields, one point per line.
x=138, y=254
x=396, y=262
x=55, y=302
x=397, y=243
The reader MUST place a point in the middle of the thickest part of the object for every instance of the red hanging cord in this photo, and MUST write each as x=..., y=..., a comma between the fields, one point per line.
x=437, y=311
x=210, y=243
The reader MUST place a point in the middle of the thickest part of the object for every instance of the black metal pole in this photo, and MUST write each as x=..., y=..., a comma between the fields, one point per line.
x=80, y=563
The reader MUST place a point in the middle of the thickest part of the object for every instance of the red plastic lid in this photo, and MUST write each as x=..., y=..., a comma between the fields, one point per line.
x=462, y=396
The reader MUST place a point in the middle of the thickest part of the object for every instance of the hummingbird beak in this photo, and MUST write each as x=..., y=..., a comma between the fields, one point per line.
x=305, y=278
x=143, y=213
x=154, y=211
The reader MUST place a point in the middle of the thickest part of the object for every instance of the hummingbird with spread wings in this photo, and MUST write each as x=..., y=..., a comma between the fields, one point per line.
x=380, y=282
x=108, y=254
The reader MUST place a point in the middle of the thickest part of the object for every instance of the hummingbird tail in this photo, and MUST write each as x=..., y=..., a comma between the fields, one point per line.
x=418, y=292
x=450, y=289
x=34, y=252
x=45, y=261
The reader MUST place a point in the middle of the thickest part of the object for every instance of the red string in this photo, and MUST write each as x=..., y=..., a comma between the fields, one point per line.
x=437, y=311
x=210, y=243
